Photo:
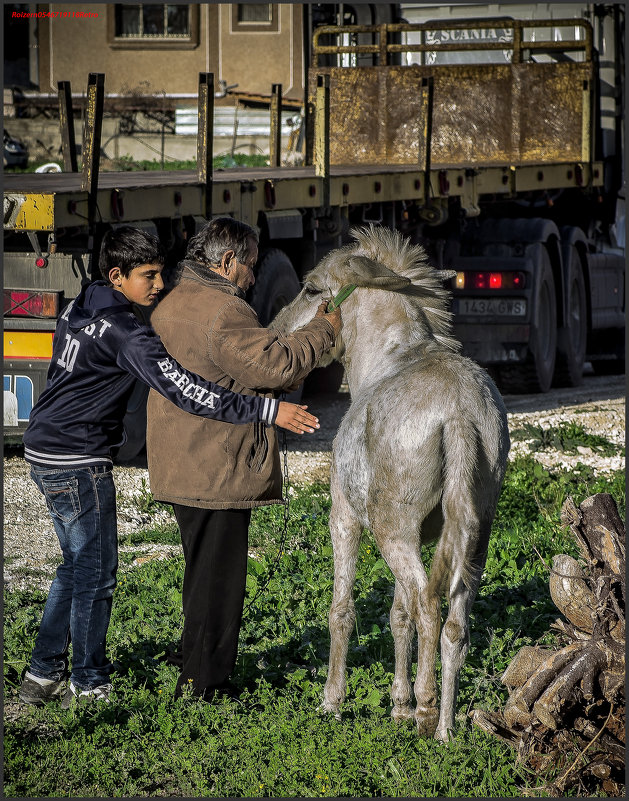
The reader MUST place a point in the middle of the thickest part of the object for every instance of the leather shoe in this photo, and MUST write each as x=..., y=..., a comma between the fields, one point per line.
x=225, y=690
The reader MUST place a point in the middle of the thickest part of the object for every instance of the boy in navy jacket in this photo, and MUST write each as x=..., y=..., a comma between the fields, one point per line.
x=100, y=348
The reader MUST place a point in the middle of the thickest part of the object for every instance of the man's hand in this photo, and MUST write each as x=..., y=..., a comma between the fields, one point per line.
x=295, y=418
x=334, y=317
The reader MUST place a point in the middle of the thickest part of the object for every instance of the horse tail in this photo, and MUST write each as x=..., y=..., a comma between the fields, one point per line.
x=458, y=547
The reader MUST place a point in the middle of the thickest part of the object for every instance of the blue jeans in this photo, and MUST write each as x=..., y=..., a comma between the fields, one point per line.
x=82, y=504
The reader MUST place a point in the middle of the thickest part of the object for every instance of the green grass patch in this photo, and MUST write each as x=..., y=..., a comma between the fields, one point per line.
x=566, y=438
x=276, y=743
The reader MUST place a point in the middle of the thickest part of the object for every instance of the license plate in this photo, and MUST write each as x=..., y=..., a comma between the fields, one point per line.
x=498, y=306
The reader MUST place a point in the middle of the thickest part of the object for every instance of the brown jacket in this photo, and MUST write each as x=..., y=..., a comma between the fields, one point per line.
x=206, y=325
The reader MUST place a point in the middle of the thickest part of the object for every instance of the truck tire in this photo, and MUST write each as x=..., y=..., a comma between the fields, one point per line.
x=276, y=285
x=536, y=373
x=572, y=337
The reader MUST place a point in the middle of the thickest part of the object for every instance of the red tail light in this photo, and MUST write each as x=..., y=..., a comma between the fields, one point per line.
x=29, y=303
x=486, y=280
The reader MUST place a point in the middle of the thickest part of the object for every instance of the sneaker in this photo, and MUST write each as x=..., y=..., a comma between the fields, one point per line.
x=75, y=695
x=35, y=690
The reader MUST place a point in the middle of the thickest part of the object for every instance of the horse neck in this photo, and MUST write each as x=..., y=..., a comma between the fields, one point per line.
x=376, y=338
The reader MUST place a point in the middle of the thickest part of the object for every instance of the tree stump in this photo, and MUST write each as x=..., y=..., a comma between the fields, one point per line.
x=566, y=706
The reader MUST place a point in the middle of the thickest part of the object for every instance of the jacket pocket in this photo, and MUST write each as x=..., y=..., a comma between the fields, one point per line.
x=259, y=449
x=62, y=498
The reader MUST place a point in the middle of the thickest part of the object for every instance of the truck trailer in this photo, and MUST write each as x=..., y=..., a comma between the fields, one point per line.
x=495, y=142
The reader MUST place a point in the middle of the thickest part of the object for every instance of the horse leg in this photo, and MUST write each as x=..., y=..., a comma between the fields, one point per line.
x=345, y=530
x=428, y=618
x=396, y=534
x=402, y=630
x=463, y=584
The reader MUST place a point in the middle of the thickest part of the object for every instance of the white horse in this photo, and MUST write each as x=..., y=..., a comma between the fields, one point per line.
x=420, y=455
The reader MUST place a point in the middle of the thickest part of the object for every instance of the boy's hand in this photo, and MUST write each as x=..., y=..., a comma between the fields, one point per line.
x=334, y=317
x=295, y=418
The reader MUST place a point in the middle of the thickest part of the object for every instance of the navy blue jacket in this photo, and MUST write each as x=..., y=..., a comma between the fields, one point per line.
x=99, y=349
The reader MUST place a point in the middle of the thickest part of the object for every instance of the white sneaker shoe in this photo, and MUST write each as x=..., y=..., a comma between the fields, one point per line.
x=74, y=695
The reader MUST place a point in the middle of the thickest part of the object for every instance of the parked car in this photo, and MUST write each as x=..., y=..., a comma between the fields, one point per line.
x=15, y=151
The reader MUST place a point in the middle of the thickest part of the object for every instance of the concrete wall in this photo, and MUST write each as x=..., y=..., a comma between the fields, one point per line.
x=43, y=140
x=69, y=47
x=252, y=56
x=256, y=58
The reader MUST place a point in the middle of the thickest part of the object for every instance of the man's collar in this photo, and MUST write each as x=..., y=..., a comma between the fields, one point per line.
x=209, y=276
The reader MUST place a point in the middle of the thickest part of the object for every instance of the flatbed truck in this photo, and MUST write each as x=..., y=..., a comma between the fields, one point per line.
x=498, y=169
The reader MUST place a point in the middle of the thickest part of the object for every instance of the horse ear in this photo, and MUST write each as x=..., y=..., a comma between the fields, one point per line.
x=368, y=273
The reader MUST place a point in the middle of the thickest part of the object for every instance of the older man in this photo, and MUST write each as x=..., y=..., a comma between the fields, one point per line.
x=213, y=473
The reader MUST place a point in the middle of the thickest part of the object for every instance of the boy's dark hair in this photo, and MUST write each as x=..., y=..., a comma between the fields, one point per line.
x=127, y=248
x=218, y=236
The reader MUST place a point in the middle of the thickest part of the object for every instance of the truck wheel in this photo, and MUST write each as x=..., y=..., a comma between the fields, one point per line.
x=536, y=373
x=571, y=338
x=276, y=285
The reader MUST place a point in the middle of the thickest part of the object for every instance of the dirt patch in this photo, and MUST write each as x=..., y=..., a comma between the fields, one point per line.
x=30, y=545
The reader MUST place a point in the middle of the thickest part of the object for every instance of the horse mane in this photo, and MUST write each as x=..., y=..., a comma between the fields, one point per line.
x=428, y=294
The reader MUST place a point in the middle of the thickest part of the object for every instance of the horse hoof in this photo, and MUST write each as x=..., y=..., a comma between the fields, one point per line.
x=426, y=718
x=324, y=710
x=445, y=735
x=400, y=713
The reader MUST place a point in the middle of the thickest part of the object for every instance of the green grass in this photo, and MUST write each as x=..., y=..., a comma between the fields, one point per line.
x=278, y=744
x=567, y=438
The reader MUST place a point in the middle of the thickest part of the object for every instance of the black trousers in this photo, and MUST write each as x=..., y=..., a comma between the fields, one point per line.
x=215, y=551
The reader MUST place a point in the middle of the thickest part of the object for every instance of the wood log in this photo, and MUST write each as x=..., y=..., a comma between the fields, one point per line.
x=612, y=684
x=521, y=701
x=590, y=730
x=523, y=664
x=570, y=631
x=556, y=696
x=600, y=534
x=571, y=593
x=566, y=708
x=494, y=723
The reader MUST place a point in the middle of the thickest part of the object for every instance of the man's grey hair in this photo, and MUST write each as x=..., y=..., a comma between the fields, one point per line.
x=220, y=235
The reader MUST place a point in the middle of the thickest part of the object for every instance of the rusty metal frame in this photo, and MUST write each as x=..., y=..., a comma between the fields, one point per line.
x=205, y=140
x=501, y=147
x=91, y=152
x=322, y=135
x=275, y=137
x=384, y=47
x=66, y=125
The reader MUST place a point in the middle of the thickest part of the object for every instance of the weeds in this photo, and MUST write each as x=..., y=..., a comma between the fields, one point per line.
x=568, y=438
x=275, y=743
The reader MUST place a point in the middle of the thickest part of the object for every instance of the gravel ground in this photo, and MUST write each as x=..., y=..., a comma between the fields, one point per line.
x=31, y=550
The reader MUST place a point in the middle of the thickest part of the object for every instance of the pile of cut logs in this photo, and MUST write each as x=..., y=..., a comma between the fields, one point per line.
x=566, y=710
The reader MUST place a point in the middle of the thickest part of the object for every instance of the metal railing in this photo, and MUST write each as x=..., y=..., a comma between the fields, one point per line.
x=520, y=45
